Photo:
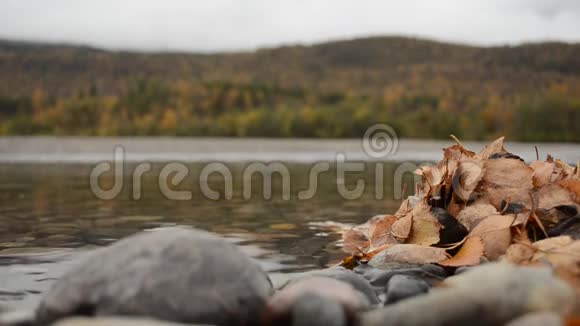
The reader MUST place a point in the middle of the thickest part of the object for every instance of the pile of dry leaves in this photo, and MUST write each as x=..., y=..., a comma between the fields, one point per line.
x=476, y=207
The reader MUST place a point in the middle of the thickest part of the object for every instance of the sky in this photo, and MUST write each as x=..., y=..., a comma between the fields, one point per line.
x=232, y=25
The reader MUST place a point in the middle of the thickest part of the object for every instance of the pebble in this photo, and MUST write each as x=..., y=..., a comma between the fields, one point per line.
x=403, y=287
x=341, y=274
x=491, y=294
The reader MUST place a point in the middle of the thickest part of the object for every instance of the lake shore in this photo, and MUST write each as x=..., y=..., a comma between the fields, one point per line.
x=47, y=149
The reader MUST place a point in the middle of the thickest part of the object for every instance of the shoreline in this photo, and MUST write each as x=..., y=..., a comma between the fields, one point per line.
x=51, y=149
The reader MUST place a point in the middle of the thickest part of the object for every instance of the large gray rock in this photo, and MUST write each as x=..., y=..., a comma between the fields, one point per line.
x=492, y=294
x=175, y=275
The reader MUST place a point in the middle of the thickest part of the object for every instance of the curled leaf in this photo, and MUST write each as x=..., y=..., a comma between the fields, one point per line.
x=469, y=254
x=402, y=227
x=495, y=234
x=472, y=215
x=425, y=227
x=410, y=253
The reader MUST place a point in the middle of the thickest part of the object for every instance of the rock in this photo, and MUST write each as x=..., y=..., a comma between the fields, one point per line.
x=379, y=278
x=357, y=281
x=316, y=300
x=538, y=319
x=116, y=321
x=179, y=275
x=404, y=286
x=17, y=317
x=492, y=294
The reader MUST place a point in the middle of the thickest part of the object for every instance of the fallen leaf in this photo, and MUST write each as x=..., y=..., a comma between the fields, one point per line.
x=495, y=234
x=563, y=255
x=469, y=254
x=551, y=244
x=472, y=215
x=402, y=227
x=521, y=251
x=507, y=180
x=355, y=241
x=379, y=233
x=563, y=170
x=572, y=185
x=367, y=237
x=494, y=147
x=404, y=208
x=432, y=180
x=542, y=173
x=412, y=254
x=467, y=177
x=553, y=195
x=425, y=227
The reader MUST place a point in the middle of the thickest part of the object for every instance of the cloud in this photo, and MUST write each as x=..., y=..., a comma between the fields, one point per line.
x=232, y=24
x=550, y=9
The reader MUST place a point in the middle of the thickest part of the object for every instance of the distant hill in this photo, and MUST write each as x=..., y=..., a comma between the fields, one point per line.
x=403, y=74
x=361, y=64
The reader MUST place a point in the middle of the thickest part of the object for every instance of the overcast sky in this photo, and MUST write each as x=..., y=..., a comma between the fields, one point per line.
x=214, y=25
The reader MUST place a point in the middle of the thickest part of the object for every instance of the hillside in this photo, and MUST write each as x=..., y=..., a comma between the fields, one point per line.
x=405, y=81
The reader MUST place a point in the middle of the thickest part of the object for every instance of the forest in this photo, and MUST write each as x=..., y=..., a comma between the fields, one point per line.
x=422, y=88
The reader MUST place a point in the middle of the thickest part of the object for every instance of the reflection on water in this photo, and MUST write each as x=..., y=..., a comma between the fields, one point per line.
x=48, y=216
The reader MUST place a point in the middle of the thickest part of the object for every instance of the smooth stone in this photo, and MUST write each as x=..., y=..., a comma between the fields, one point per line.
x=404, y=286
x=341, y=274
x=538, y=319
x=117, y=321
x=17, y=317
x=491, y=294
x=179, y=275
x=379, y=278
x=316, y=300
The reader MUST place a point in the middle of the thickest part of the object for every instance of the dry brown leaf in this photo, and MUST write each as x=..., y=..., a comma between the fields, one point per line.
x=402, y=227
x=355, y=241
x=542, y=173
x=432, y=180
x=553, y=195
x=404, y=208
x=455, y=206
x=506, y=172
x=467, y=177
x=379, y=233
x=573, y=185
x=507, y=180
x=412, y=254
x=470, y=254
x=563, y=254
x=457, y=152
x=550, y=244
x=425, y=227
x=519, y=253
x=495, y=234
x=369, y=236
x=563, y=170
x=494, y=147
x=471, y=215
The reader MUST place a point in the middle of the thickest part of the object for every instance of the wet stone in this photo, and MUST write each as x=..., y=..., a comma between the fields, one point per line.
x=179, y=275
x=404, y=286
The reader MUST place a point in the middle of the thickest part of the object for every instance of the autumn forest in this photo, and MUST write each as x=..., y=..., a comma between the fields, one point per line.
x=424, y=89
